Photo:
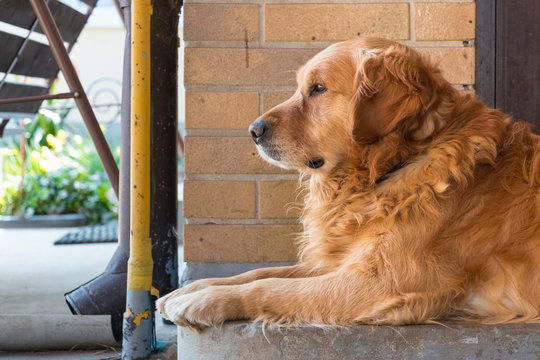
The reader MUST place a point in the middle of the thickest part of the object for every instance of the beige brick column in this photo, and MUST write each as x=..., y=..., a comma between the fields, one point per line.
x=240, y=60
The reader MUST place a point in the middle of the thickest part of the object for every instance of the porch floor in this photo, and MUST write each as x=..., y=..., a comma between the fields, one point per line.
x=36, y=274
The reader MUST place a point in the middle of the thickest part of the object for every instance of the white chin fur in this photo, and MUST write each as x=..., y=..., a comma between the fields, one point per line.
x=268, y=159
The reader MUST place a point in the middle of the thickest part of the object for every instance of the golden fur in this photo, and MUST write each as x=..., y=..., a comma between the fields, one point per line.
x=427, y=206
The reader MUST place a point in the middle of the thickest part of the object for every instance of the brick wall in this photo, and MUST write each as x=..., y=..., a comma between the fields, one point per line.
x=240, y=60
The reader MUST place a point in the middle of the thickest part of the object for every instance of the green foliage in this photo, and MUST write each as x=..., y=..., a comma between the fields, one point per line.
x=11, y=201
x=62, y=173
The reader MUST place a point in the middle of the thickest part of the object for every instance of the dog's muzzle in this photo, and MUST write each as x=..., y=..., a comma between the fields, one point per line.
x=261, y=132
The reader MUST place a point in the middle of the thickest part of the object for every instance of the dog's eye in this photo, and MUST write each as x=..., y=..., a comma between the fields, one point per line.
x=317, y=89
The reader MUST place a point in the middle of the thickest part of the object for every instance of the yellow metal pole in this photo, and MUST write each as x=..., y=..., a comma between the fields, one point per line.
x=140, y=255
x=138, y=318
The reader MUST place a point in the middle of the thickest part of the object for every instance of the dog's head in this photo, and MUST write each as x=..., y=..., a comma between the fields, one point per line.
x=350, y=95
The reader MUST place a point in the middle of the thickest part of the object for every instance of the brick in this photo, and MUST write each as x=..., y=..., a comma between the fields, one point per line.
x=240, y=243
x=335, y=22
x=276, y=67
x=221, y=22
x=260, y=67
x=279, y=199
x=272, y=99
x=219, y=199
x=444, y=21
x=218, y=110
x=456, y=64
x=225, y=155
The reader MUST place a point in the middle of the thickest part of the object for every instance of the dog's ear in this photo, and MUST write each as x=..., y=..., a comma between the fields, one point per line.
x=390, y=87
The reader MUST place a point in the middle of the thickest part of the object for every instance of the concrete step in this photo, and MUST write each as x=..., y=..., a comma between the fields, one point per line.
x=246, y=340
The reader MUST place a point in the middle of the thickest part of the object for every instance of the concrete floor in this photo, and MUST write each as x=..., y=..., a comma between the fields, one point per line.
x=35, y=274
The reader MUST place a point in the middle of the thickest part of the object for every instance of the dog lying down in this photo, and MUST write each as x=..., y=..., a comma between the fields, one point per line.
x=422, y=203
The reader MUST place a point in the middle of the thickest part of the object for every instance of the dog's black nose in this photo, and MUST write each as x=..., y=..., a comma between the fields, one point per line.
x=258, y=129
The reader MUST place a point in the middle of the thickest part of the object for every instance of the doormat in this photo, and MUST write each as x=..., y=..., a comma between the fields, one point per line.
x=91, y=234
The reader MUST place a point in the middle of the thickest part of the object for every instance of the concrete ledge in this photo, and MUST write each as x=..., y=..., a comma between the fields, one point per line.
x=245, y=340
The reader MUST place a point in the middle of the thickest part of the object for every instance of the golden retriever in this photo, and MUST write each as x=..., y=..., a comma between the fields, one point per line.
x=422, y=203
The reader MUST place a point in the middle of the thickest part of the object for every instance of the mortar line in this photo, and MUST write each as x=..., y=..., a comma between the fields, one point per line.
x=412, y=21
x=254, y=88
x=262, y=19
x=239, y=88
x=331, y=2
x=261, y=105
x=219, y=221
x=313, y=45
x=217, y=133
x=241, y=177
x=257, y=196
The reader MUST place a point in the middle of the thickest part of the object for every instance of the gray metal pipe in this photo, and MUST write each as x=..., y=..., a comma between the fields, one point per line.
x=125, y=147
x=55, y=332
x=105, y=294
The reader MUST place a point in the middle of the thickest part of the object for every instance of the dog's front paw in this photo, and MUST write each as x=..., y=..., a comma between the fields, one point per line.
x=183, y=310
x=199, y=310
